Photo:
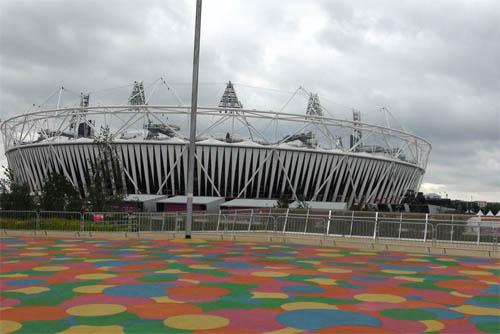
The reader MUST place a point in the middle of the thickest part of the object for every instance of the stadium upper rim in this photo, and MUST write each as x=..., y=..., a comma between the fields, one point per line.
x=372, y=140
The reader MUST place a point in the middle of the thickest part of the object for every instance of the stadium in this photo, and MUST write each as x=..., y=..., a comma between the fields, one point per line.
x=240, y=152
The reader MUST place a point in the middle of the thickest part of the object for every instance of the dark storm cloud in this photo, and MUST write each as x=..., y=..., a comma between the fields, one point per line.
x=434, y=65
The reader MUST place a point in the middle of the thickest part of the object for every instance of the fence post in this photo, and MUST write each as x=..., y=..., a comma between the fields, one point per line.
x=82, y=222
x=478, y=233
x=250, y=220
x=218, y=222
x=329, y=220
x=234, y=220
x=452, y=225
x=176, y=226
x=376, y=225
x=352, y=223
x=286, y=220
x=400, y=224
x=37, y=221
x=269, y=219
x=307, y=220
x=425, y=229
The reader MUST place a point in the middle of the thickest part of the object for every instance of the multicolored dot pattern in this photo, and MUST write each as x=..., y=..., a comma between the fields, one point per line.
x=148, y=286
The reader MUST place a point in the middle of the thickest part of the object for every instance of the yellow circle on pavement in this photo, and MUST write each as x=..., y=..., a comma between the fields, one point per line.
x=379, y=297
x=335, y=270
x=98, y=288
x=50, y=268
x=269, y=274
x=307, y=305
x=84, y=329
x=196, y=322
x=95, y=310
x=7, y=326
x=476, y=272
x=95, y=276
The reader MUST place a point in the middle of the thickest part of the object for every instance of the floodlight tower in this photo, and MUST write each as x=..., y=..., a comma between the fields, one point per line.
x=137, y=97
x=356, y=135
x=229, y=98
x=313, y=106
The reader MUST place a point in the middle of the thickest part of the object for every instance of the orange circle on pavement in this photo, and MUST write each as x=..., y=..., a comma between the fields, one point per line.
x=355, y=329
x=197, y=292
x=31, y=313
x=459, y=284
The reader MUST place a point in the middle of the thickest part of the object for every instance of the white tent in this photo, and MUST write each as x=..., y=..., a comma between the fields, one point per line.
x=490, y=213
x=498, y=213
x=480, y=213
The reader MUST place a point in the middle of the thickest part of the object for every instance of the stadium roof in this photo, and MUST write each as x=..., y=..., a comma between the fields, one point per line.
x=251, y=203
x=142, y=197
x=321, y=205
x=196, y=200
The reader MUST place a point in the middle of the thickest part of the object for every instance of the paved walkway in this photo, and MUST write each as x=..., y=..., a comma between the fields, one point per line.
x=152, y=286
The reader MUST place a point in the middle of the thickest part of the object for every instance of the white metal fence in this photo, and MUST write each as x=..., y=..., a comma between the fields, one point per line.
x=373, y=225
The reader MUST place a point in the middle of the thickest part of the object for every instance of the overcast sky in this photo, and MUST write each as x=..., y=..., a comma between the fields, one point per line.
x=434, y=64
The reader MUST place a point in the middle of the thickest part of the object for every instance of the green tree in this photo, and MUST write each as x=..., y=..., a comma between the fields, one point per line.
x=58, y=194
x=107, y=184
x=15, y=195
x=283, y=201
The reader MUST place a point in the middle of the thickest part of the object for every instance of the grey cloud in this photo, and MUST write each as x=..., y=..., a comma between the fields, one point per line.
x=435, y=66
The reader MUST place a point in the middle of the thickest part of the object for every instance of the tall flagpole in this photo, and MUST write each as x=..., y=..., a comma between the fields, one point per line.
x=192, y=124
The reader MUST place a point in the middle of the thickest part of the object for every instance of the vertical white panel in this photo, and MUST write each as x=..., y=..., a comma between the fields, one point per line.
x=339, y=177
x=206, y=164
x=351, y=164
x=263, y=170
x=311, y=169
x=80, y=155
x=330, y=169
x=177, y=156
x=159, y=179
x=376, y=174
x=214, y=172
x=198, y=163
x=286, y=170
x=234, y=168
x=240, y=181
x=367, y=175
x=185, y=166
x=220, y=156
x=319, y=174
x=273, y=172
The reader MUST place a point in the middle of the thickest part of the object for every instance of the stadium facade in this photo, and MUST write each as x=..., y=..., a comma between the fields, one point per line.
x=240, y=153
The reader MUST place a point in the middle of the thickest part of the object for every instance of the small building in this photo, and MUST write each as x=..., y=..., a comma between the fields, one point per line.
x=249, y=203
x=313, y=205
x=179, y=203
x=141, y=202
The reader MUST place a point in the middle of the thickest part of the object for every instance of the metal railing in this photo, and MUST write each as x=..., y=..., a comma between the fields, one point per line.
x=373, y=225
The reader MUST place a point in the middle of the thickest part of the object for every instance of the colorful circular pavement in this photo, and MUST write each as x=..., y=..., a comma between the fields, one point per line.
x=146, y=286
